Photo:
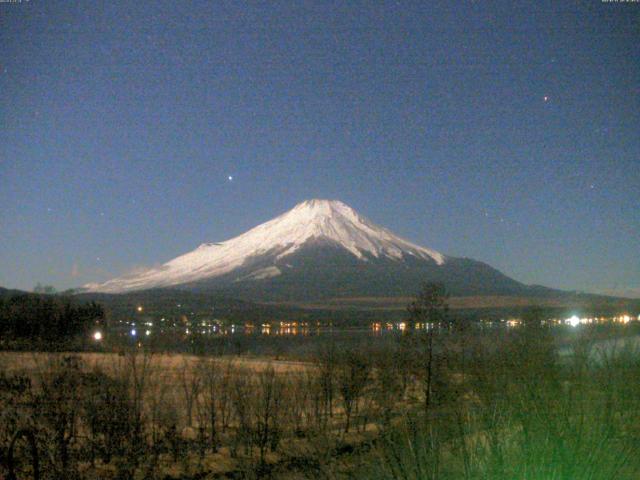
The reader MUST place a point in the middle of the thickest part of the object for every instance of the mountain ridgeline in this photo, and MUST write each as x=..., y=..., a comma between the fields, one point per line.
x=319, y=249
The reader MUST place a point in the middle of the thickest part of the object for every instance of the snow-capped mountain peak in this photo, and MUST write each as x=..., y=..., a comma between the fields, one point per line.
x=312, y=220
x=336, y=221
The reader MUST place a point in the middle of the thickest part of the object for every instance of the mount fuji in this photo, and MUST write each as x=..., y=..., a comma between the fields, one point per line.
x=319, y=249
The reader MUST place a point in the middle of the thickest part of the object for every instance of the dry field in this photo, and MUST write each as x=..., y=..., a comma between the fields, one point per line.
x=265, y=412
x=169, y=364
x=187, y=417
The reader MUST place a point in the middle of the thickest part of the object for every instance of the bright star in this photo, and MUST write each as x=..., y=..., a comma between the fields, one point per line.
x=230, y=177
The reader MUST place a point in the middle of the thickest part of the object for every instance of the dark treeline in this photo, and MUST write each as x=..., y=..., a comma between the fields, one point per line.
x=46, y=318
x=174, y=304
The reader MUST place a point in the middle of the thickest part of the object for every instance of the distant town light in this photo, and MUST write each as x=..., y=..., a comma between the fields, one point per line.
x=97, y=336
x=133, y=332
x=574, y=321
x=147, y=333
x=139, y=308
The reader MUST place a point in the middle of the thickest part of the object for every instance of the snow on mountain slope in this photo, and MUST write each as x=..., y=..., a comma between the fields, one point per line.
x=328, y=220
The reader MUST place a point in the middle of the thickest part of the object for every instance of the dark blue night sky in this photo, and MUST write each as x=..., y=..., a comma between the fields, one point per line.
x=508, y=132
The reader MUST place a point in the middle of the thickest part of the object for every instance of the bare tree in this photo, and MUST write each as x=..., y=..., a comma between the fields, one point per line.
x=326, y=369
x=315, y=385
x=352, y=377
x=428, y=312
x=224, y=395
x=208, y=406
x=300, y=406
x=136, y=370
x=389, y=383
x=241, y=401
x=190, y=382
x=267, y=411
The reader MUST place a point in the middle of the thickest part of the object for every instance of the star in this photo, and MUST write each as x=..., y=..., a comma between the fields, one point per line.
x=546, y=98
x=230, y=178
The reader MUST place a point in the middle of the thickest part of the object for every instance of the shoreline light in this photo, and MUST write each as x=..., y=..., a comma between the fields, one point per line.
x=574, y=321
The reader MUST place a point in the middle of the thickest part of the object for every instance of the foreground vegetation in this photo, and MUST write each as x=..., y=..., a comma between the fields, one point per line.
x=496, y=405
x=444, y=400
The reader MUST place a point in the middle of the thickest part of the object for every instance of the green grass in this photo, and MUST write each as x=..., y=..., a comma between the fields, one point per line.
x=524, y=417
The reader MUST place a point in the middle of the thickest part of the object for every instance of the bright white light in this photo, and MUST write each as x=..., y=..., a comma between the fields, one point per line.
x=573, y=321
x=133, y=332
x=230, y=177
x=147, y=333
x=97, y=336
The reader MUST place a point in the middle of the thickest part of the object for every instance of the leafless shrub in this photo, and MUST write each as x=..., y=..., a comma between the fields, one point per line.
x=191, y=383
x=242, y=404
x=135, y=369
x=106, y=414
x=267, y=412
x=327, y=363
x=300, y=405
x=211, y=400
x=16, y=398
x=57, y=406
x=352, y=376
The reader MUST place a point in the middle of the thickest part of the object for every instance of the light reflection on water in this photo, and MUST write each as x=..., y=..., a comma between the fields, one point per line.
x=294, y=328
